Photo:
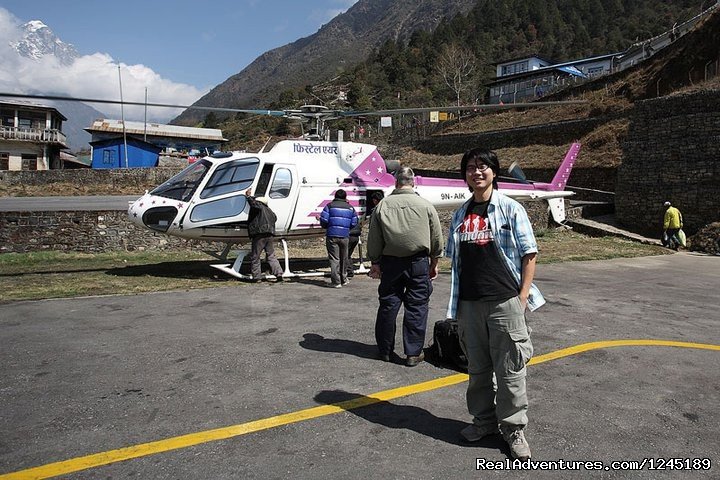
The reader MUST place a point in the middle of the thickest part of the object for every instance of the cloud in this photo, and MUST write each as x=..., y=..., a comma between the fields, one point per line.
x=90, y=76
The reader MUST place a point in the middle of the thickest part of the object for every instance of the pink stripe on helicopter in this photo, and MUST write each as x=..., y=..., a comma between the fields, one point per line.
x=353, y=202
x=521, y=186
x=439, y=182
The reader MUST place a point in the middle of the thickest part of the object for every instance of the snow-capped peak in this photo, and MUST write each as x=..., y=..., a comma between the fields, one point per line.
x=38, y=41
x=34, y=25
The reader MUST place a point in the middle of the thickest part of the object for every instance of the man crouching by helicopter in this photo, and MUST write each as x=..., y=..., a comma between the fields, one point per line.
x=261, y=230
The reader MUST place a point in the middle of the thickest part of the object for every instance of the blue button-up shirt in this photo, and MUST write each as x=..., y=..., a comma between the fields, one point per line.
x=513, y=237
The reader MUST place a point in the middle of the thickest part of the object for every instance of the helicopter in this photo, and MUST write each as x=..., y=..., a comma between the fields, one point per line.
x=206, y=201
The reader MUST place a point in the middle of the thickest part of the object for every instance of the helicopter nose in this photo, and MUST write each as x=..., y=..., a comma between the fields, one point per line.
x=149, y=212
x=136, y=210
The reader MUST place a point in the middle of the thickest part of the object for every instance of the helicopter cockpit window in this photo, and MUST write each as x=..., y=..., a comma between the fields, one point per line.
x=221, y=208
x=183, y=185
x=233, y=176
x=281, y=184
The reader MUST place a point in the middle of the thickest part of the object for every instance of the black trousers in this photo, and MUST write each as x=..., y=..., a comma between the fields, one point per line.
x=405, y=281
x=352, y=243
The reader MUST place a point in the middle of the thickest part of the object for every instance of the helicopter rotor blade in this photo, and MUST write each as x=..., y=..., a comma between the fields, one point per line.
x=317, y=113
x=275, y=113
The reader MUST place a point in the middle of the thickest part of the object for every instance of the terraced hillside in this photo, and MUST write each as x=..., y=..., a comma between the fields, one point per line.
x=679, y=69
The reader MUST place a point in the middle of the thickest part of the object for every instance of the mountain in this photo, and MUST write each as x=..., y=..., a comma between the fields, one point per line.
x=39, y=41
x=340, y=44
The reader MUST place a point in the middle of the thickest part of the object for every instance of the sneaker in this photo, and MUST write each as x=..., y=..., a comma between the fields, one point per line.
x=345, y=282
x=515, y=438
x=335, y=285
x=385, y=357
x=413, y=360
x=474, y=433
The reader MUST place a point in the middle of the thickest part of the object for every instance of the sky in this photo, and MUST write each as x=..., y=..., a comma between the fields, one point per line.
x=177, y=49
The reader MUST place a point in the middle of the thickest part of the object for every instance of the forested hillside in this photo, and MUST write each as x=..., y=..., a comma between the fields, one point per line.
x=408, y=72
x=558, y=30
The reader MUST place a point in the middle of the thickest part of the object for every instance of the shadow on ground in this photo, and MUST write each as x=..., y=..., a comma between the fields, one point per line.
x=313, y=341
x=200, y=269
x=407, y=417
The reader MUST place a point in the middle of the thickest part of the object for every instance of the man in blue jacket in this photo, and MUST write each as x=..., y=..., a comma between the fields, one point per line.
x=338, y=217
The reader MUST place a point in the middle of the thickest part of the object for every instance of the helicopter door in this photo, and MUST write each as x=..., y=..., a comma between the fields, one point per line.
x=222, y=203
x=282, y=196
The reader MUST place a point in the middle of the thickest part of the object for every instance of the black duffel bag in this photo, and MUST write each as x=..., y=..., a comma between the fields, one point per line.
x=446, y=345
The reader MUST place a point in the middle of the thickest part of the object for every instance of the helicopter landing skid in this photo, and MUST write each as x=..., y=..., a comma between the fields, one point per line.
x=234, y=269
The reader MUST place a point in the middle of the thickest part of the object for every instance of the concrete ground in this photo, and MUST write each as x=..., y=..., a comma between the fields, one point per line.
x=241, y=381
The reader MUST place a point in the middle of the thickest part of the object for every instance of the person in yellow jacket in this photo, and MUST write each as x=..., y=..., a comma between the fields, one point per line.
x=672, y=224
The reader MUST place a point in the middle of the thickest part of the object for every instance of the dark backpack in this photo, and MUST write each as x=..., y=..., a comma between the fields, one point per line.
x=446, y=345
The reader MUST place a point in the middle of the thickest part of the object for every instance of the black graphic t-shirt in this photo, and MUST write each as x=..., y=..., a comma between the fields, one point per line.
x=483, y=275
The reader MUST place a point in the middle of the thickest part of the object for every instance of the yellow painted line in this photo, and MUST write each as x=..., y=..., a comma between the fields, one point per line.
x=184, y=441
x=586, y=347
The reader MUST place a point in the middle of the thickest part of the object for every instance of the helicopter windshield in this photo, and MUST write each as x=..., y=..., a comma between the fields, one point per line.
x=235, y=176
x=183, y=185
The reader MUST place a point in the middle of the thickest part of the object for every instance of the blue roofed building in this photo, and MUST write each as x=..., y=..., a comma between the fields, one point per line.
x=111, y=153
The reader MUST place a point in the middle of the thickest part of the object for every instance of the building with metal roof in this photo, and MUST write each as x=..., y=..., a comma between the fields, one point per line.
x=167, y=137
x=526, y=78
x=522, y=79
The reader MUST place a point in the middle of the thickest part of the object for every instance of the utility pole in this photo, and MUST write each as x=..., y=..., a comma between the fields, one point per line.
x=122, y=117
x=145, y=123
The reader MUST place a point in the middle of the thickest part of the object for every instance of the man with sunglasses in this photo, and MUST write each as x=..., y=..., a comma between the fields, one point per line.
x=493, y=250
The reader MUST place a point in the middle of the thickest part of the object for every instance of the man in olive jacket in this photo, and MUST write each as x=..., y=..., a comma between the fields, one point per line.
x=404, y=244
x=261, y=230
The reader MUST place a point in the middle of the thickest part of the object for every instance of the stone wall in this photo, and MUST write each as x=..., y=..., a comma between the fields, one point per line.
x=560, y=133
x=88, y=231
x=121, y=179
x=104, y=231
x=673, y=154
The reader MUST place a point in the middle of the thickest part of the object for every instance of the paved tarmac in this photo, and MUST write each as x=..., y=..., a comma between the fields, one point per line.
x=239, y=382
